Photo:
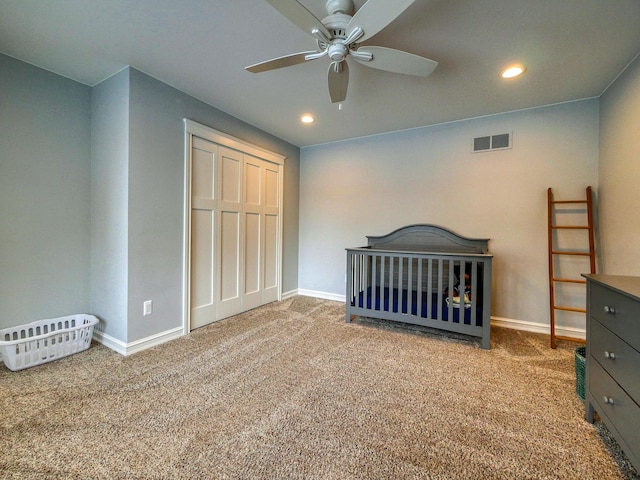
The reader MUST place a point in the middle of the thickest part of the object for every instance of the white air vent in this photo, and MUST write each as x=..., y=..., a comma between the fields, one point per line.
x=500, y=141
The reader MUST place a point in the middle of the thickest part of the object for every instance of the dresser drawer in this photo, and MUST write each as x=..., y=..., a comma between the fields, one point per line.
x=616, y=357
x=617, y=312
x=623, y=414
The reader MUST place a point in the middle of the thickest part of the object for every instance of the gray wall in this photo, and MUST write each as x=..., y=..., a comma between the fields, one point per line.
x=371, y=186
x=110, y=203
x=619, y=172
x=45, y=150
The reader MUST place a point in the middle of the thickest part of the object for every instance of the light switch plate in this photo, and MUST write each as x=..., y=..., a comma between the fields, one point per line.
x=147, y=307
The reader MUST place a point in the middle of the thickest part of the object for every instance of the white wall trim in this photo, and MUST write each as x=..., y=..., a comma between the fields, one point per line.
x=186, y=244
x=289, y=294
x=543, y=328
x=221, y=138
x=534, y=327
x=324, y=295
x=124, y=348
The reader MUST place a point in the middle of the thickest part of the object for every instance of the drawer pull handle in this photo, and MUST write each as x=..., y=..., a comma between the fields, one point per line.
x=609, y=355
x=608, y=400
x=610, y=310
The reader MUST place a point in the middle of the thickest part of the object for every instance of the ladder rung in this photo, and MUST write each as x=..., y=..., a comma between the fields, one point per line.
x=569, y=201
x=572, y=253
x=570, y=280
x=571, y=227
x=570, y=309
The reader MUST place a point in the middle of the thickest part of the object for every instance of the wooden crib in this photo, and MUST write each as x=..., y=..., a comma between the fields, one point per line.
x=424, y=275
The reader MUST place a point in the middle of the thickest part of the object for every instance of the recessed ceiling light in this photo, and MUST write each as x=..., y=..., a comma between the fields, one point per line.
x=513, y=71
x=307, y=118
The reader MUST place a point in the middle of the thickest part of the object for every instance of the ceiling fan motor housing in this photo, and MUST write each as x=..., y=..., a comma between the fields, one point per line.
x=337, y=23
x=339, y=6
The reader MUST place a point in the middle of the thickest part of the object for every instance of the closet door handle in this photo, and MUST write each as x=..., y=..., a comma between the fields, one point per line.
x=609, y=355
x=609, y=310
x=608, y=400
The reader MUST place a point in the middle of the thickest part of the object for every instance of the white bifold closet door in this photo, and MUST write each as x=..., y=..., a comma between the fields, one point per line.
x=234, y=232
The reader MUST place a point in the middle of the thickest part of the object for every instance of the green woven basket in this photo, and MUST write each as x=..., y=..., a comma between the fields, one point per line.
x=581, y=361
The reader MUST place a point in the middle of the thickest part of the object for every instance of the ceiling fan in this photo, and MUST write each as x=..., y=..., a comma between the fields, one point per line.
x=340, y=35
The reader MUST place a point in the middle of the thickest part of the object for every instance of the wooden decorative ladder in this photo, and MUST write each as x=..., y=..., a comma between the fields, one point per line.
x=554, y=251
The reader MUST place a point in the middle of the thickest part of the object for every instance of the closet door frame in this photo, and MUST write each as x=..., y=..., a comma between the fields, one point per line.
x=194, y=129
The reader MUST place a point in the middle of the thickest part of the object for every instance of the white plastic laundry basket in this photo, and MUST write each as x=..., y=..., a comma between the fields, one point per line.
x=45, y=340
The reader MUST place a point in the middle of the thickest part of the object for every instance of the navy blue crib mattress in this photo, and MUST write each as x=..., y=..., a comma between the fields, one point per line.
x=399, y=304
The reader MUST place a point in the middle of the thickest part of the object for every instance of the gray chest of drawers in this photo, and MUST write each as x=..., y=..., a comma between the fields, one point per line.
x=613, y=358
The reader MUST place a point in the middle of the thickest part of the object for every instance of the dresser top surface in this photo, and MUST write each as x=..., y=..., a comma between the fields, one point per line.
x=626, y=285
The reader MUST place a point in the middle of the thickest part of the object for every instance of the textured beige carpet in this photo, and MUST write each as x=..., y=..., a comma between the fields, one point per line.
x=291, y=391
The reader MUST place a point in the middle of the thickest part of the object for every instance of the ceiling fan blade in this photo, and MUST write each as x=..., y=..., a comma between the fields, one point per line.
x=299, y=16
x=280, y=62
x=397, y=61
x=338, y=81
x=374, y=15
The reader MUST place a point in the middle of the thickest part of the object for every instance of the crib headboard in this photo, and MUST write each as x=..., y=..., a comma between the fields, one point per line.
x=428, y=238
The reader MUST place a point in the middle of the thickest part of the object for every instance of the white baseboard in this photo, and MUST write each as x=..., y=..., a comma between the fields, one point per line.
x=545, y=329
x=289, y=294
x=527, y=326
x=129, y=348
x=323, y=295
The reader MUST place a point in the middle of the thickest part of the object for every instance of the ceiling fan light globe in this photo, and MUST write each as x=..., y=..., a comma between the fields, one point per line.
x=338, y=52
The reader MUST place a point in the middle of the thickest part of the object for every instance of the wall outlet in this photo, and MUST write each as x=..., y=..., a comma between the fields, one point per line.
x=147, y=307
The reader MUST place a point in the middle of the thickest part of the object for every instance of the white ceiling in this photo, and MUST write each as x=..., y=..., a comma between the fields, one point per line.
x=573, y=49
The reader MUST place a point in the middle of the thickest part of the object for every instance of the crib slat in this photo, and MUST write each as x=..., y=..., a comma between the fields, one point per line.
x=419, y=288
x=440, y=275
x=474, y=292
x=398, y=284
x=450, y=284
x=374, y=274
x=383, y=279
x=429, y=287
x=391, y=283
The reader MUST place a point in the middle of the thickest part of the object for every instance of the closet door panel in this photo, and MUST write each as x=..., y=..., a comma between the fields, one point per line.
x=271, y=228
x=271, y=187
x=230, y=175
x=252, y=268
x=270, y=286
x=229, y=300
x=202, y=178
x=202, y=277
x=253, y=232
x=252, y=183
x=229, y=233
x=203, y=205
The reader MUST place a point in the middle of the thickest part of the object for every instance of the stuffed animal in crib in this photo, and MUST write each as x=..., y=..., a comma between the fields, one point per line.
x=460, y=295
